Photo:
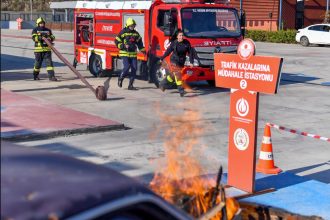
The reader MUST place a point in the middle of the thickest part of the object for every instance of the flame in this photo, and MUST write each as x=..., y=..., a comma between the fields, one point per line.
x=179, y=180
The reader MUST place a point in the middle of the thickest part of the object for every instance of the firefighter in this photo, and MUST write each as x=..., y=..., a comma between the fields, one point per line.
x=179, y=48
x=41, y=49
x=128, y=40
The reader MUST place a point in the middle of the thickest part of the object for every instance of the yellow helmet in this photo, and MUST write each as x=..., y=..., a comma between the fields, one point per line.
x=130, y=21
x=40, y=20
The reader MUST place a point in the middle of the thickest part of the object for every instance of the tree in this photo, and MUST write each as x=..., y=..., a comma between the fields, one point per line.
x=24, y=5
x=327, y=17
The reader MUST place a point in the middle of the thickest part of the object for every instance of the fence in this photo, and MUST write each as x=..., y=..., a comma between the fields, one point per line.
x=48, y=16
x=53, y=21
x=60, y=26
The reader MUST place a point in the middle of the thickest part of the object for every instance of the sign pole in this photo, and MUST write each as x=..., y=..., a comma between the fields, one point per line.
x=246, y=75
x=242, y=139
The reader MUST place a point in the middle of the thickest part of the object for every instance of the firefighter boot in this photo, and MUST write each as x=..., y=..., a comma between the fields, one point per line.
x=181, y=91
x=130, y=85
x=52, y=78
x=51, y=75
x=120, y=82
x=36, y=75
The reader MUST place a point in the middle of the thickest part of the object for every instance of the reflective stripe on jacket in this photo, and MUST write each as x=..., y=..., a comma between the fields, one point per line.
x=39, y=44
x=132, y=39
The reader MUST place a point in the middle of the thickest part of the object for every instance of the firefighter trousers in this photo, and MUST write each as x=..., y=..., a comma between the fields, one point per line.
x=173, y=77
x=39, y=58
x=130, y=63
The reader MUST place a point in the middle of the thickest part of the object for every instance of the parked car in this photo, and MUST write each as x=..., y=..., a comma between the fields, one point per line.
x=314, y=34
x=37, y=184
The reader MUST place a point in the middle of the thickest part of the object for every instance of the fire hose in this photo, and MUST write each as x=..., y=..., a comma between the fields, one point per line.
x=99, y=92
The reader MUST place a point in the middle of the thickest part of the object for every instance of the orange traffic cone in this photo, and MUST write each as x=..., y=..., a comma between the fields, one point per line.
x=266, y=161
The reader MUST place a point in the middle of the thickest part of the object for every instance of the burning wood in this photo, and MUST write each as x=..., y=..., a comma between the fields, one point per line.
x=180, y=180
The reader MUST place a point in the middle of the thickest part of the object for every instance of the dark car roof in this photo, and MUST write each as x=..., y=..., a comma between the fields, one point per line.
x=36, y=184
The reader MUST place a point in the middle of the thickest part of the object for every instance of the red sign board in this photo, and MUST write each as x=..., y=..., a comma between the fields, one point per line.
x=258, y=73
x=242, y=139
x=246, y=75
x=248, y=72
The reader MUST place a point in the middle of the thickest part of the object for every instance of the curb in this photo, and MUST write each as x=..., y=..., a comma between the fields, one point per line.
x=63, y=133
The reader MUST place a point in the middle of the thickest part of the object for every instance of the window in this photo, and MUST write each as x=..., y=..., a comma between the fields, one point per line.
x=221, y=22
x=167, y=21
x=326, y=28
x=316, y=28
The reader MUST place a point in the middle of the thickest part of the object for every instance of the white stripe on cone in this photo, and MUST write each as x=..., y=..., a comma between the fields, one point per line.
x=265, y=155
x=266, y=140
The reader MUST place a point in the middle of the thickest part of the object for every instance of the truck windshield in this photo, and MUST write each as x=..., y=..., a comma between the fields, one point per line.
x=210, y=22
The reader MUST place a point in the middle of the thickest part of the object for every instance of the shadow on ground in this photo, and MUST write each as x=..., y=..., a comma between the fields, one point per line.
x=58, y=147
x=322, y=176
x=293, y=78
x=74, y=86
x=10, y=62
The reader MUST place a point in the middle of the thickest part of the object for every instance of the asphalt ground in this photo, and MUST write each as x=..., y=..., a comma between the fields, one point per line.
x=302, y=103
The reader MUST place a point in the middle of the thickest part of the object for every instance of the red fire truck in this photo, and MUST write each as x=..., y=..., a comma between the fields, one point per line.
x=210, y=26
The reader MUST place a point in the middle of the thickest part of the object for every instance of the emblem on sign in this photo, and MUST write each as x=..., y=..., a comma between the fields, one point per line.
x=241, y=139
x=242, y=107
x=246, y=49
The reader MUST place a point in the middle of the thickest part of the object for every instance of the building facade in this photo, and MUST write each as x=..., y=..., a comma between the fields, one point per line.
x=265, y=14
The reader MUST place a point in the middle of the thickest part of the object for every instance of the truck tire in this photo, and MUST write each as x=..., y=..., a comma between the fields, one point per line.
x=75, y=62
x=95, y=65
x=153, y=67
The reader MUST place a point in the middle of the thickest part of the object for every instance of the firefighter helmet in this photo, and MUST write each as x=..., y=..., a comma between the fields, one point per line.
x=130, y=21
x=40, y=20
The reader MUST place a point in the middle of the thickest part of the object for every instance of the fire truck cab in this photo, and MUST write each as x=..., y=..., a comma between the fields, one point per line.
x=210, y=26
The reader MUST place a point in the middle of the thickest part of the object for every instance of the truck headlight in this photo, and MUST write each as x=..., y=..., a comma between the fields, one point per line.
x=187, y=62
x=196, y=63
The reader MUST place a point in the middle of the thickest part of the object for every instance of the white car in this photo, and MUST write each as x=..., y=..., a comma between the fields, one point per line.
x=314, y=34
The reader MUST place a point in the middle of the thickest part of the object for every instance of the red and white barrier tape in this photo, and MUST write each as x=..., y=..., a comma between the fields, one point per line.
x=299, y=132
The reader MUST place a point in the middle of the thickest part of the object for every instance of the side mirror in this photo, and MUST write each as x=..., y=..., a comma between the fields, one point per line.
x=172, y=20
x=167, y=32
x=167, y=28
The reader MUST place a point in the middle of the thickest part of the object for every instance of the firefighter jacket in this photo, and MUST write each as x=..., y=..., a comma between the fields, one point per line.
x=131, y=38
x=180, y=50
x=37, y=34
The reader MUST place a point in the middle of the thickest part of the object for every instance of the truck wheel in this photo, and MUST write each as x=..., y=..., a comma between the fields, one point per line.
x=211, y=83
x=75, y=62
x=152, y=69
x=304, y=41
x=95, y=65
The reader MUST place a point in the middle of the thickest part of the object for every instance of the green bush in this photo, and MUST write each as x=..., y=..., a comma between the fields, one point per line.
x=283, y=36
